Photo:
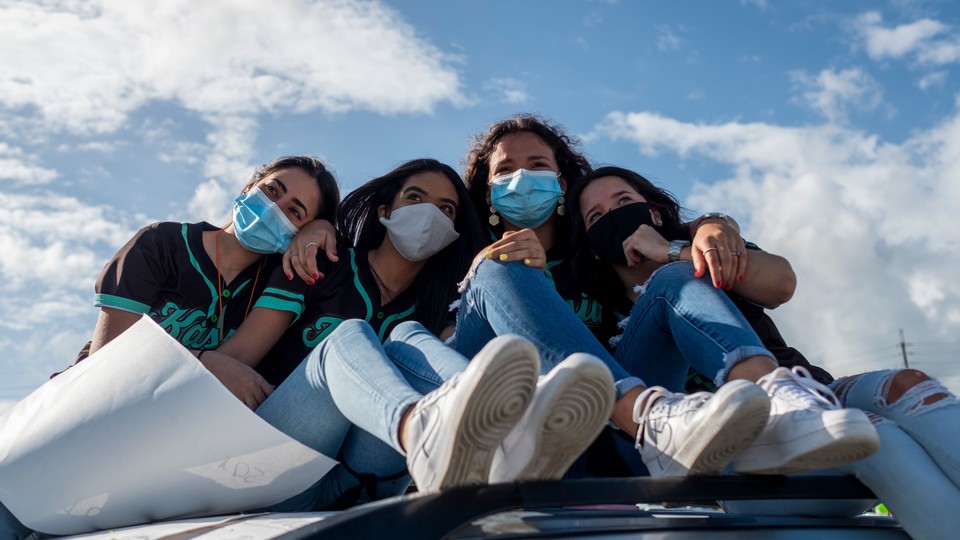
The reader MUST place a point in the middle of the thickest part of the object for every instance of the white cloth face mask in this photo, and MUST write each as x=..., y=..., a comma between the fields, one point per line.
x=419, y=231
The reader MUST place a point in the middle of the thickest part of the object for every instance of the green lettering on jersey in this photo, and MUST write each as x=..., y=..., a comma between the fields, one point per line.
x=587, y=310
x=320, y=329
x=188, y=326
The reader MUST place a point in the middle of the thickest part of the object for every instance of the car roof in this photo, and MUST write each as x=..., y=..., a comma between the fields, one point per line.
x=584, y=508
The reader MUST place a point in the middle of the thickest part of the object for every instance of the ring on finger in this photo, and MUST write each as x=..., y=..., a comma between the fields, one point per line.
x=736, y=252
x=306, y=247
x=708, y=250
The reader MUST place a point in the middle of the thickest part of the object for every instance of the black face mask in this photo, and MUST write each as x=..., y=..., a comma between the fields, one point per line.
x=607, y=235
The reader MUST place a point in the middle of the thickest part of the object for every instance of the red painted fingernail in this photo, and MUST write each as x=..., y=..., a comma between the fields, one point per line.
x=311, y=282
x=289, y=276
x=719, y=284
x=740, y=278
x=315, y=275
x=322, y=277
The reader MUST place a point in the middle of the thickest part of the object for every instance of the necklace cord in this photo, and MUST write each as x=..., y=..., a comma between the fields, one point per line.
x=253, y=291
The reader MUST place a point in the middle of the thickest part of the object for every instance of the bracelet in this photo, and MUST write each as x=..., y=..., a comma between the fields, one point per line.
x=673, y=253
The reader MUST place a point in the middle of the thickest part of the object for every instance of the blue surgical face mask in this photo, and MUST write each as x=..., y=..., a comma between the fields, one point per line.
x=259, y=223
x=525, y=198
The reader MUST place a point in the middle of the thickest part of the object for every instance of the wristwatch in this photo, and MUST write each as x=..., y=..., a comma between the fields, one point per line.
x=673, y=254
x=713, y=215
x=710, y=215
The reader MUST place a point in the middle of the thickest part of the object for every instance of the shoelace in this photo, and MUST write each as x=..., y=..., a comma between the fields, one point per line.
x=693, y=401
x=808, y=387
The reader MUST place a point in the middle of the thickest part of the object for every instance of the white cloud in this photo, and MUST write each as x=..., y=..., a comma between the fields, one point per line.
x=84, y=68
x=667, y=40
x=593, y=19
x=928, y=40
x=53, y=248
x=760, y=4
x=831, y=92
x=51, y=241
x=863, y=222
x=105, y=147
x=932, y=80
x=17, y=166
x=508, y=90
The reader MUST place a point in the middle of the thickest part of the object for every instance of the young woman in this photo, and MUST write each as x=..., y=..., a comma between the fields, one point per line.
x=517, y=173
x=623, y=228
x=198, y=281
x=370, y=404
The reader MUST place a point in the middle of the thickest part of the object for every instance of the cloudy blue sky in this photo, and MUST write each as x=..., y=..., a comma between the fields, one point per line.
x=829, y=129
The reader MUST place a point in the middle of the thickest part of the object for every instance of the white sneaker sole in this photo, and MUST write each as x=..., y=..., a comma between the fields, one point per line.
x=503, y=382
x=847, y=436
x=737, y=413
x=571, y=407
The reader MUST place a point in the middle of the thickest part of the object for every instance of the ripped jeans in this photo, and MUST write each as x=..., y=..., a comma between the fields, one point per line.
x=681, y=321
x=916, y=472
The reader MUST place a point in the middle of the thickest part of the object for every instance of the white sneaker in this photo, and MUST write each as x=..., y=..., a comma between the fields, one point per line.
x=807, y=429
x=454, y=430
x=699, y=433
x=570, y=407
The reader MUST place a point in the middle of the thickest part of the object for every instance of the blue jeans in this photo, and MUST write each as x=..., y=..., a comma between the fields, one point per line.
x=346, y=400
x=680, y=321
x=511, y=298
x=914, y=473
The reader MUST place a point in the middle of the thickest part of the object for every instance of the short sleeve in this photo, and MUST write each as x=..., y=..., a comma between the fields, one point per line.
x=282, y=294
x=132, y=280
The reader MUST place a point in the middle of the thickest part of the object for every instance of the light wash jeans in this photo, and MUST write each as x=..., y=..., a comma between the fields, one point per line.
x=681, y=321
x=915, y=471
x=346, y=400
x=512, y=298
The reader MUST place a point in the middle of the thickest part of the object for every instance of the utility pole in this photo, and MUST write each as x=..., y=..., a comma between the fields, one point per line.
x=903, y=349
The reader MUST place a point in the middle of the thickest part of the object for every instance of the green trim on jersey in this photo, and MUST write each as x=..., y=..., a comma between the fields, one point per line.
x=356, y=281
x=119, y=302
x=269, y=299
x=390, y=319
x=196, y=266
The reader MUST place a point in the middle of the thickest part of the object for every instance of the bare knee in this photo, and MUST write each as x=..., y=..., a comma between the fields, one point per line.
x=904, y=380
x=752, y=368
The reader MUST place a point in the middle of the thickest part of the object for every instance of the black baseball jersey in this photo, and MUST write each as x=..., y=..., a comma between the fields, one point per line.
x=599, y=320
x=165, y=272
x=348, y=291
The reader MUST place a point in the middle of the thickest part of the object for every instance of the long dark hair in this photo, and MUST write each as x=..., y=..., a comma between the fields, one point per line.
x=595, y=277
x=329, y=190
x=436, y=284
x=570, y=161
